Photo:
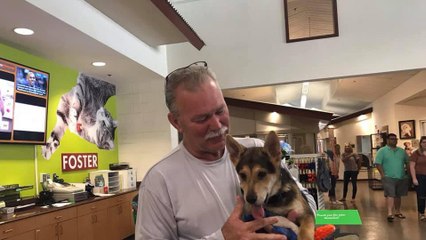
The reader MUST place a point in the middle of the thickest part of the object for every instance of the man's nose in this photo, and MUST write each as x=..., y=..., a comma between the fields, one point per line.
x=215, y=122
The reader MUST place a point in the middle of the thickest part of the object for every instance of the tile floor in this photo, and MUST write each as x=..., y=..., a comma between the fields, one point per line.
x=372, y=209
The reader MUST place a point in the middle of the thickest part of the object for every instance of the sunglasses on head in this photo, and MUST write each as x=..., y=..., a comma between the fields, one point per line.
x=198, y=63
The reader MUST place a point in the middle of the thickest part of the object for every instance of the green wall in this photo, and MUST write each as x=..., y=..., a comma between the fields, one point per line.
x=18, y=163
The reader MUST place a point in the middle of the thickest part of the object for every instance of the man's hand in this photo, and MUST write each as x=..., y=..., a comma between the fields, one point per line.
x=235, y=228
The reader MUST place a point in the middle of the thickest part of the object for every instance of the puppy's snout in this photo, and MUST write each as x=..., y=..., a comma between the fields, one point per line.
x=251, y=198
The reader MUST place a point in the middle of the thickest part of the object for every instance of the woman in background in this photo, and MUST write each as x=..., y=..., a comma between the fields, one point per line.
x=333, y=164
x=352, y=163
x=418, y=174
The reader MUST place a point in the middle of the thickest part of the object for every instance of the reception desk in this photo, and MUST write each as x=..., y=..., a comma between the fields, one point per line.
x=96, y=218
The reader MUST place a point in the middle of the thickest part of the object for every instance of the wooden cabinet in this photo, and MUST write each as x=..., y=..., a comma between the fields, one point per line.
x=18, y=230
x=120, y=217
x=65, y=230
x=29, y=235
x=57, y=225
x=92, y=221
x=108, y=218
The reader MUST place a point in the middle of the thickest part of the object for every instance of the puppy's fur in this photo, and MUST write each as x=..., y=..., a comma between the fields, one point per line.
x=267, y=186
x=82, y=111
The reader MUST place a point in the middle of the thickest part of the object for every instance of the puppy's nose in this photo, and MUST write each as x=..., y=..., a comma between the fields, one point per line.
x=251, y=199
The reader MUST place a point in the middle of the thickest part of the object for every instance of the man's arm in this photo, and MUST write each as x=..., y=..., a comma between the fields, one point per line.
x=378, y=162
x=380, y=169
x=309, y=197
x=155, y=219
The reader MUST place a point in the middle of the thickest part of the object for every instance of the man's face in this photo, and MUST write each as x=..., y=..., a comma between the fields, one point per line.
x=31, y=78
x=203, y=120
x=392, y=141
x=348, y=149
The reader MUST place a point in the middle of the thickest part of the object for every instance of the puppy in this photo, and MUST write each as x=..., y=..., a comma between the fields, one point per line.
x=267, y=188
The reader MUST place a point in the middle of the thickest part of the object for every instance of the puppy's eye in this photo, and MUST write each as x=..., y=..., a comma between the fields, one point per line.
x=261, y=175
x=243, y=176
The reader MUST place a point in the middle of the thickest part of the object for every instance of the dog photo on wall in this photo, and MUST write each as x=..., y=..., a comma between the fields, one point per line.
x=82, y=111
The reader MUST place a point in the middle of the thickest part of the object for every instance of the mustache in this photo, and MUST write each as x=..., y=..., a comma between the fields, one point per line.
x=217, y=133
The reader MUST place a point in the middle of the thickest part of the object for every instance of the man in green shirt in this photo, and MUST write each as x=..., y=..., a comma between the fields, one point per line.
x=392, y=162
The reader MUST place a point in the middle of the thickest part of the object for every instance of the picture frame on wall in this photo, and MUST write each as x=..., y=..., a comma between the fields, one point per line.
x=415, y=143
x=422, y=124
x=407, y=129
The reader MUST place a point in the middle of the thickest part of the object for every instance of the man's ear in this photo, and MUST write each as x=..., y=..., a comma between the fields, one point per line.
x=174, y=121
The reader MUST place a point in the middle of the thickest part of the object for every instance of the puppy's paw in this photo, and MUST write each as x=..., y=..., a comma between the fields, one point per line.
x=284, y=222
x=307, y=229
x=305, y=236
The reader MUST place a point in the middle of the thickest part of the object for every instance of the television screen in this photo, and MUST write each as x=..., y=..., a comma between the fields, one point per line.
x=23, y=103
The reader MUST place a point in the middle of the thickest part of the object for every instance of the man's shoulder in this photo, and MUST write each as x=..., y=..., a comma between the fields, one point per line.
x=383, y=149
x=167, y=163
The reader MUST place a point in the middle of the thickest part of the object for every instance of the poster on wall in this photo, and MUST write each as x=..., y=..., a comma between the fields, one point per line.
x=407, y=129
x=82, y=111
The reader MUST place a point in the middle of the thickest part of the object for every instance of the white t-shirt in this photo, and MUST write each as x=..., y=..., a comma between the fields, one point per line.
x=182, y=197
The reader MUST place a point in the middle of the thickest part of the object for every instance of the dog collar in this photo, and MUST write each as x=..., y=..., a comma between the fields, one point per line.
x=278, y=197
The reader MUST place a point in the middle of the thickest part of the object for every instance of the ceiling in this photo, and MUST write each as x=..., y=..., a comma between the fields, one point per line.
x=339, y=96
x=61, y=42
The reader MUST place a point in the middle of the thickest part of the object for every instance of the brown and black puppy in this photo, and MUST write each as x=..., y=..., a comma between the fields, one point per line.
x=268, y=187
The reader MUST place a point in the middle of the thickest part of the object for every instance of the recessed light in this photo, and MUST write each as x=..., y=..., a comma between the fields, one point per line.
x=98, y=64
x=23, y=31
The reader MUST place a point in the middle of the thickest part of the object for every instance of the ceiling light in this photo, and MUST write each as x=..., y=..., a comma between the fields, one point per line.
x=23, y=31
x=98, y=64
x=303, y=100
x=304, y=97
x=305, y=88
x=362, y=117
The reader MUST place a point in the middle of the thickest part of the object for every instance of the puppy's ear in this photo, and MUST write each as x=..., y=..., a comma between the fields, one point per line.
x=234, y=149
x=272, y=145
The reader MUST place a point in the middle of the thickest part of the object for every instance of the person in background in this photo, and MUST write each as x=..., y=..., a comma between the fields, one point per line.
x=333, y=165
x=193, y=193
x=418, y=175
x=408, y=149
x=391, y=161
x=31, y=79
x=352, y=164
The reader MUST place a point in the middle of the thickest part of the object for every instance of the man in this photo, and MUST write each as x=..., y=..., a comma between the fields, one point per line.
x=392, y=162
x=192, y=192
x=31, y=79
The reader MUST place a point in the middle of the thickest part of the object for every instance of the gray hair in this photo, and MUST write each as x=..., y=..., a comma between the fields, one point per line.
x=190, y=77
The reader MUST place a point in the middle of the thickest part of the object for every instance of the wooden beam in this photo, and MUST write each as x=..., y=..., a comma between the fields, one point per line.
x=268, y=107
x=352, y=115
x=173, y=15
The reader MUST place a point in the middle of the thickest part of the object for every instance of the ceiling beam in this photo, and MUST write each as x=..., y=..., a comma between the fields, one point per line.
x=173, y=15
x=352, y=115
x=268, y=107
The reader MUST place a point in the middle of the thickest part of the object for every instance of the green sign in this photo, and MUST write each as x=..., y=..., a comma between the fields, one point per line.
x=338, y=217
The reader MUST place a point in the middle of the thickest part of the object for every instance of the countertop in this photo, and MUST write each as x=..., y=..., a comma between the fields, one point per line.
x=38, y=210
